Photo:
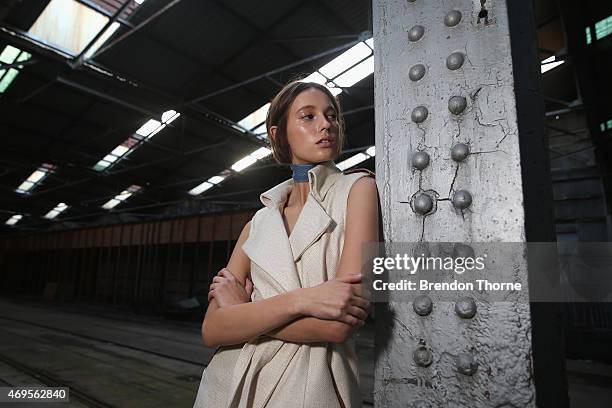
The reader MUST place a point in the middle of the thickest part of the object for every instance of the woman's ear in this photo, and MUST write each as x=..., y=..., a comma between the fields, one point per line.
x=272, y=132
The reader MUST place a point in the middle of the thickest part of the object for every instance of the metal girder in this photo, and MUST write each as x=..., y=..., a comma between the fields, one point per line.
x=103, y=11
x=125, y=170
x=272, y=72
x=34, y=46
x=136, y=28
x=261, y=34
x=110, y=98
x=18, y=64
x=79, y=59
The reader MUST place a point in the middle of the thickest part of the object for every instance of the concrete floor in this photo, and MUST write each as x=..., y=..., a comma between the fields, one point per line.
x=113, y=358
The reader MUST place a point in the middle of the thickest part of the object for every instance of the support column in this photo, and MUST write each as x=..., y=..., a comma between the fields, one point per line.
x=455, y=139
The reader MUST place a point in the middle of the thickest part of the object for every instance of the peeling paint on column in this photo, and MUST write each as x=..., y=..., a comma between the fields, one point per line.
x=483, y=360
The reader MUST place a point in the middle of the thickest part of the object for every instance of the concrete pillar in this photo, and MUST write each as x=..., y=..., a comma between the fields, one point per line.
x=444, y=87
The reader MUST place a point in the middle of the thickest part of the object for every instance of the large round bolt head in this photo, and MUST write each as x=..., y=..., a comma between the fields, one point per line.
x=419, y=114
x=455, y=61
x=422, y=305
x=452, y=18
x=423, y=204
x=457, y=104
x=465, y=364
x=416, y=33
x=459, y=152
x=420, y=404
x=421, y=249
x=462, y=199
x=463, y=251
x=420, y=160
x=465, y=307
x=422, y=356
x=416, y=72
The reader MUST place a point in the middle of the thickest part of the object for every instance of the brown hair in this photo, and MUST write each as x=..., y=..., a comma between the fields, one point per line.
x=278, y=112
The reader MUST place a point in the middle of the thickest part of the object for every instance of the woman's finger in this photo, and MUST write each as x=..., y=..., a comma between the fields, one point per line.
x=218, y=279
x=357, y=312
x=360, y=302
x=350, y=278
x=211, y=295
x=352, y=320
x=248, y=287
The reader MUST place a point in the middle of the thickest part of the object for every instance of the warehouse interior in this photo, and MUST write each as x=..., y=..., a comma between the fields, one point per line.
x=135, y=150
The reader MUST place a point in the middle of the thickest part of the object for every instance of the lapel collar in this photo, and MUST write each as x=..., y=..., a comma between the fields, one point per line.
x=268, y=247
x=311, y=224
x=321, y=178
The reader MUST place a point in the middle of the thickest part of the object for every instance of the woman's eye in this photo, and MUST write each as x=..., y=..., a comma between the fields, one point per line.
x=307, y=116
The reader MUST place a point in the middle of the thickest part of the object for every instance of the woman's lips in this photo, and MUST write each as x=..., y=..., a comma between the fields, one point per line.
x=326, y=142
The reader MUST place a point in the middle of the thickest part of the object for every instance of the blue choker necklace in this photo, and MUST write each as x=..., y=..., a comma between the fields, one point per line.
x=300, y=171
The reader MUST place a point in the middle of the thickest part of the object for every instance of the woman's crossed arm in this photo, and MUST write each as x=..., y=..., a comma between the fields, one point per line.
x=326, y=312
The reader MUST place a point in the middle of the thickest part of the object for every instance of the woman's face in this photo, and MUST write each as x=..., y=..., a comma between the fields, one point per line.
x=312, y=128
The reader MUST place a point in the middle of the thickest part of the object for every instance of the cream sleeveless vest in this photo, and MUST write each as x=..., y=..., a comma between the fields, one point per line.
x=271, y=373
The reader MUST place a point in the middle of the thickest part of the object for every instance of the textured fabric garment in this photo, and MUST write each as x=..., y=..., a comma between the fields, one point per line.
x=271, y=373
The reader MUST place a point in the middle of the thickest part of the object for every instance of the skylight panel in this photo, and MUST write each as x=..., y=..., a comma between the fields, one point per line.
x=68, y=24
x=352, y=161
x=170, y=116
x=148, y=128
x=589, y=39
x=243, y=163
x=120, y=150
x=345, y=60
x=59, y=208
x=370, y=42
x=35, y=178
x=103, y=38
x=335, y=90
x=255, y=118
x=10, y=55
x=371, y=151
x=261, y=153
x=216, y=179
x=315, y=77
x=201, y=188
x=356, y=74
x=603, y=28
x=146, y=131
x=550, y=63
x=261, y=130
x=110, y=204
x=210, y=183
x=121, y=197
x=14, y=219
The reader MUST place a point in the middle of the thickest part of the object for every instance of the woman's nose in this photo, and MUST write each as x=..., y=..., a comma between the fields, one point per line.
x=324, y=123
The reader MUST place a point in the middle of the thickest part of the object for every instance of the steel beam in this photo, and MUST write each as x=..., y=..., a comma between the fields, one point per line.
x=79, y=59
x=272, y=72
x=449, y=73
x=136, y=28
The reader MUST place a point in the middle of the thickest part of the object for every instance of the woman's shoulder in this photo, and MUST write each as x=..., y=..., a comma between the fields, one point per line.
x=356, y=177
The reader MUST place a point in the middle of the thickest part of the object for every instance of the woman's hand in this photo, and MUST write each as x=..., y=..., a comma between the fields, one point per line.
x=228, y=290
x=337, y=299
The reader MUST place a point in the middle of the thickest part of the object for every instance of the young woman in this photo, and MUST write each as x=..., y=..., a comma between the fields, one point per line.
x=284, y=308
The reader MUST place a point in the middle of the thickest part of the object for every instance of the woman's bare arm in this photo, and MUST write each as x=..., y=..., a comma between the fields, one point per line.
x=237, y=323
x=361, y=227
x=240, y=322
